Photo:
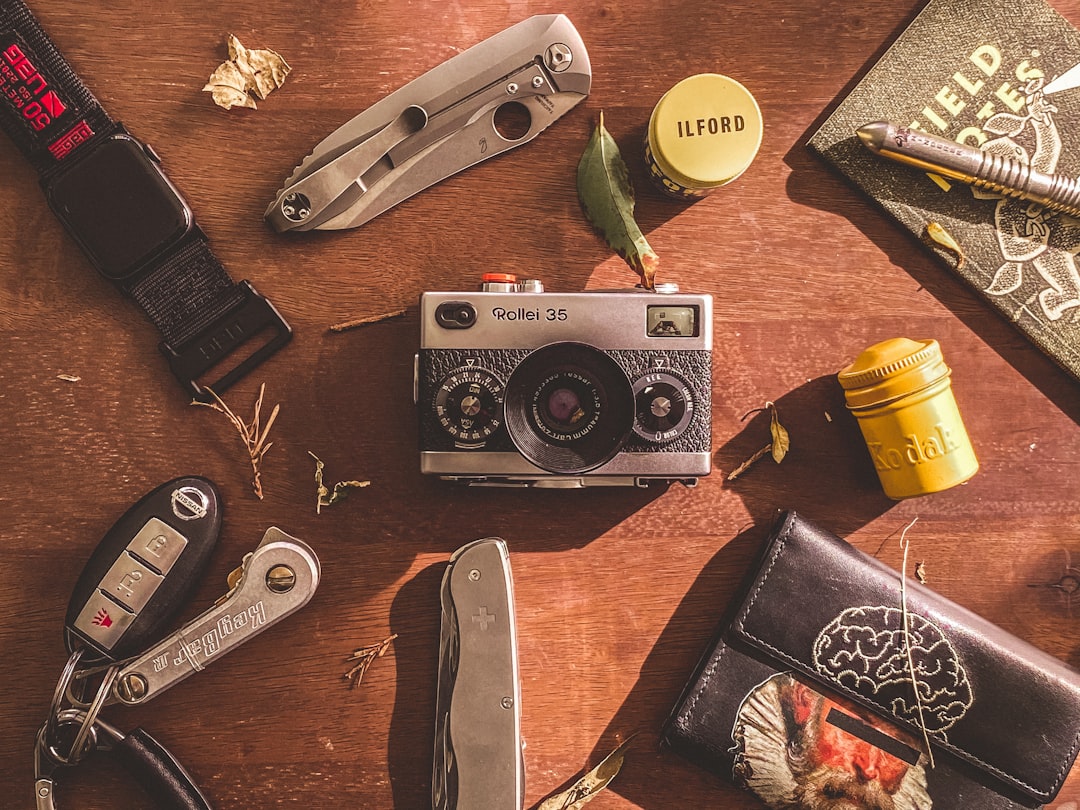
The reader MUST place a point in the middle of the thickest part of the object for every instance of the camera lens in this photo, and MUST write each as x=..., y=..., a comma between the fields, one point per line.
x=569, y=408
x=455, y=315
x=566, y=406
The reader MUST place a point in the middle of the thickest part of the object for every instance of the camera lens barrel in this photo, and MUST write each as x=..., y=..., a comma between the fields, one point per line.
x=569, y=408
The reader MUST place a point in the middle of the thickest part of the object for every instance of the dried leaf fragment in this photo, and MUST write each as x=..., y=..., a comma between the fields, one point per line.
x=366, y=657
x=253, y=433
x=936, y=231
x=777, y=448
x=607, y=198
x=258, y=71
x=781, y=441
x=323, y=495
x=228, y=87
x=585, y=789
x=263, y=70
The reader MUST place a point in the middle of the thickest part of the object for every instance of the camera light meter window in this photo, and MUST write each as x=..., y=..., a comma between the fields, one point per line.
x=671, y=321
x=569, y=408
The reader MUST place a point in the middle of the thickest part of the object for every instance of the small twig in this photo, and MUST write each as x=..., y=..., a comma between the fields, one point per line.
x=366, y=656
x=253, y=435
x=345, y=325
x=760, y=454
x=905, y=544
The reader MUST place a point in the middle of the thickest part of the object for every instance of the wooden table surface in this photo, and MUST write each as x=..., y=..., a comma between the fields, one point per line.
x=617, y=591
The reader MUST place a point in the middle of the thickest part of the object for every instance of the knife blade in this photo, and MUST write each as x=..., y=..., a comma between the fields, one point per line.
x=437, y=125
x=478, y=758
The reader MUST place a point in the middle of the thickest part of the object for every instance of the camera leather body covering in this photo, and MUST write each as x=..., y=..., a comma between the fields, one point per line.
x=806, y=696
x=519, y=387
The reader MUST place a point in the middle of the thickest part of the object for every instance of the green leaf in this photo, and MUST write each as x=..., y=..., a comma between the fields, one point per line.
x=607, y=197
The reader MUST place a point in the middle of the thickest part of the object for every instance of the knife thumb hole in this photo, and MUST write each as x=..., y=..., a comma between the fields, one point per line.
x=512, y=120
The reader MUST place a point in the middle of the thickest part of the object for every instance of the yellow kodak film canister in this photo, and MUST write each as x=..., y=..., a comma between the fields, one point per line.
x=900, y=392
x=703, y=133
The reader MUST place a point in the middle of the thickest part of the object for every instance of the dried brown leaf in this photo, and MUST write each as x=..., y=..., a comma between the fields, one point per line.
x=778, y=447
x=585, y=789
x=263, y=70
x=258, y=71
x=781, y=441
x=229, y=87
x=936, y=231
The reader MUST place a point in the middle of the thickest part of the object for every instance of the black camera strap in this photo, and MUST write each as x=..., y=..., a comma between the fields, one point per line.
x=166, y=264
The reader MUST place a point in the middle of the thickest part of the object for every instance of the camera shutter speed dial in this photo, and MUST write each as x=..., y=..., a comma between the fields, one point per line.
x=663, y=406
x=469, y=405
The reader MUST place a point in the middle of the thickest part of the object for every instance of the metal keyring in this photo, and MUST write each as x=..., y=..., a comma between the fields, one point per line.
x=86, y=731
x=79, y=680
x=68, y=717
x=52, y=724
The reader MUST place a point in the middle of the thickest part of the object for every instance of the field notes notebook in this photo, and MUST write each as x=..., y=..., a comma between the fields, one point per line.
x=1003, y=76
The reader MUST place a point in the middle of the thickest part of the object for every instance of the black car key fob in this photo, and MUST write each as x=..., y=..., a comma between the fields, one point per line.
x=143, y=570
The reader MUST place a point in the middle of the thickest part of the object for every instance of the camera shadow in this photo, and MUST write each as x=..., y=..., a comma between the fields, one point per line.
x=827, y=455
x=824, y=437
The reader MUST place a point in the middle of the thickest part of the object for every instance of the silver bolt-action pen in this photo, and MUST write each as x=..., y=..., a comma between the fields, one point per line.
x=975, y=167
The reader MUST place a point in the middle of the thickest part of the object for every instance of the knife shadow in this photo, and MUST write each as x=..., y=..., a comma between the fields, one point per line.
x=415, y=617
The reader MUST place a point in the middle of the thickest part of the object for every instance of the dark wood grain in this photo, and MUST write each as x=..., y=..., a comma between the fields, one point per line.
x=617, y=592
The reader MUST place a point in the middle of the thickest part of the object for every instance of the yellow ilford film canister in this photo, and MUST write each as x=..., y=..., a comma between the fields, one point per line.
x=703, y=133
x=900, y=393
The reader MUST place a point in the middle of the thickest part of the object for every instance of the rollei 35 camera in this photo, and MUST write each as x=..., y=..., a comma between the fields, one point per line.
x=518, y=387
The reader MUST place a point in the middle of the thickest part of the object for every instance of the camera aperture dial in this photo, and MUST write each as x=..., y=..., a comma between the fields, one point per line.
x=469, y=405
x=663, y=406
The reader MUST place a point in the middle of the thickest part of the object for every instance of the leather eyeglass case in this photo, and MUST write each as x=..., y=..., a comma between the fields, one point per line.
x=807, y=696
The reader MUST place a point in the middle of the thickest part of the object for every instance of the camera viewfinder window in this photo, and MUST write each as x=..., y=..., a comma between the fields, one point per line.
x=671, y=321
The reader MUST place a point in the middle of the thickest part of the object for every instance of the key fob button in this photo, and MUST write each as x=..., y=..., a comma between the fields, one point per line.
x=103, y=621
x=143, y=570
x=158, y=545
x=130, y=583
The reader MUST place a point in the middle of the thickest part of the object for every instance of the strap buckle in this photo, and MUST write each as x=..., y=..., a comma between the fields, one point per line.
x=216, y=342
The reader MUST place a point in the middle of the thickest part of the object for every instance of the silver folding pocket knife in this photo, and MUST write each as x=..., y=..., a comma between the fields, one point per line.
x=437, y=125
x=478, y=757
